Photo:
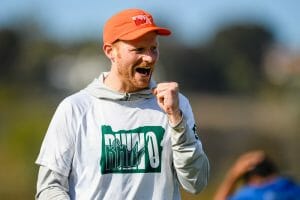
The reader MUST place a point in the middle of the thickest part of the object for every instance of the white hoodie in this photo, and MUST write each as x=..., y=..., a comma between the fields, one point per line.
x=110, y=145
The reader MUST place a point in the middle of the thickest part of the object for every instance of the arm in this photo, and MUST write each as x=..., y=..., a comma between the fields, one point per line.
x=244, y=163
x=190, y=161
x=51, y=185
x=56, y=154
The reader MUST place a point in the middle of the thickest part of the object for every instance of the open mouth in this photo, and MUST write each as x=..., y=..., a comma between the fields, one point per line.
x=142, y=70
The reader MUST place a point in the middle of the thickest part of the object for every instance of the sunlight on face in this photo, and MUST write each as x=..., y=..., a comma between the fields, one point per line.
x=135, y=60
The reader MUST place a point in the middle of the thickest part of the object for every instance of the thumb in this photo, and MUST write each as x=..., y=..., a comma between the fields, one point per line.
x=154, y=91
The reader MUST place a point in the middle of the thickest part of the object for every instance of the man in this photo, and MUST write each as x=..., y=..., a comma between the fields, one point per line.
x=124, y=136
x=262, y=180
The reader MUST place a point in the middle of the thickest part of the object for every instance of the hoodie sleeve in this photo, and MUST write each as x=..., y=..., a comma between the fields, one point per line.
x=51, y=185
x=57, y=148
x=190, y=161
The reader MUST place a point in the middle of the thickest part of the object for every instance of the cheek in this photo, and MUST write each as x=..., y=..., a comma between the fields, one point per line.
x=125, y=58
x=119, y=55
x=155, y=56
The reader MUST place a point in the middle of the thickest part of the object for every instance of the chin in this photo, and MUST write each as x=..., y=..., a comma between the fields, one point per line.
x=142, y=85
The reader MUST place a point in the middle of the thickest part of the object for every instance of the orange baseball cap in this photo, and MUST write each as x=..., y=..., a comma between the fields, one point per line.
x=130, y=24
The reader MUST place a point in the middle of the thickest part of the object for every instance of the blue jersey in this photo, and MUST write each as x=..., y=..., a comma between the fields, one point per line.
x=279, y=189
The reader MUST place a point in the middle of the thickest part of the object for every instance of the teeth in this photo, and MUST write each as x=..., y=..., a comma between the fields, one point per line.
x=145, y=67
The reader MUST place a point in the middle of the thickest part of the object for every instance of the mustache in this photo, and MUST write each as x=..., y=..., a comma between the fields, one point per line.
x=144, y=63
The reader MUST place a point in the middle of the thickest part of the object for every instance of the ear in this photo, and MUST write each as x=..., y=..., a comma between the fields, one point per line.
x=109, y=51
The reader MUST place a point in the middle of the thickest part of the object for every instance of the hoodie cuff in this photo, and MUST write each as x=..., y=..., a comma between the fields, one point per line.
x=180, y=126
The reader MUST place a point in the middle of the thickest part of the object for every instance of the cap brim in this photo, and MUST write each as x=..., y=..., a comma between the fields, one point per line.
x=138, y=33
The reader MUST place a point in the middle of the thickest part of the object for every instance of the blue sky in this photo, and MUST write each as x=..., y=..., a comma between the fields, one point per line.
x=190, y=20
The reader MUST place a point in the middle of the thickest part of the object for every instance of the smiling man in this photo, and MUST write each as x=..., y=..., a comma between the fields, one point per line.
x=124, y=136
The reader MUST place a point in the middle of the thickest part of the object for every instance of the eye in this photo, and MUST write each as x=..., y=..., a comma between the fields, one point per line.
x=139, y=50
x=153, y=49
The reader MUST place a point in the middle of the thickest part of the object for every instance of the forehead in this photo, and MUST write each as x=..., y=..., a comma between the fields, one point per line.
x=145, y=40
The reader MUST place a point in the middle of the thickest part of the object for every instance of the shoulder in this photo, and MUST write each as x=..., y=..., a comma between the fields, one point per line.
x=182, y=96
x=186, y=108
x=76, y=103
x=245, y=192
x=288, y=184
x=183, y=100
x=184, y=104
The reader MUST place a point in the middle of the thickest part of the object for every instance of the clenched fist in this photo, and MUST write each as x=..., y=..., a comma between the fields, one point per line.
x=168, y=100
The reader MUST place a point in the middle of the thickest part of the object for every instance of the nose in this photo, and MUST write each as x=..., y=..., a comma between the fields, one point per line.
x=150, y=56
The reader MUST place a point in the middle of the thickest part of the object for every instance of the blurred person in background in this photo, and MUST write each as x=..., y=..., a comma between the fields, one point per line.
x=262, y=180
x=124, y=136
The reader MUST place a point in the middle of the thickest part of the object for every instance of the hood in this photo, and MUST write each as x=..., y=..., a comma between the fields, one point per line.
x=97, y=89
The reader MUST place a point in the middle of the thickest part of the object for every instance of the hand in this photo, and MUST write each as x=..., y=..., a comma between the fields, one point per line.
x=246, y=162
x=168, y=100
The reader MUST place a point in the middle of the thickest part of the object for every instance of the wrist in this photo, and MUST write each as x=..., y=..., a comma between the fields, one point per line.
x=175, y=118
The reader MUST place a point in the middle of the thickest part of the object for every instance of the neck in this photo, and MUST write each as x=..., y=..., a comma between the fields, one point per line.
x=258, y=180
x=115, y=83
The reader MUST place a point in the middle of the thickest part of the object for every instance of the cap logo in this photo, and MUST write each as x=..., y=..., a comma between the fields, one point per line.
x=141, y=19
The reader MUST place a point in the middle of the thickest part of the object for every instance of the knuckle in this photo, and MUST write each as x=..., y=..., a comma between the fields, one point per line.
x=175, y=84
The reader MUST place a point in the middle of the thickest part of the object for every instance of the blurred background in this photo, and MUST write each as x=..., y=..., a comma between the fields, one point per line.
x=238, y=61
